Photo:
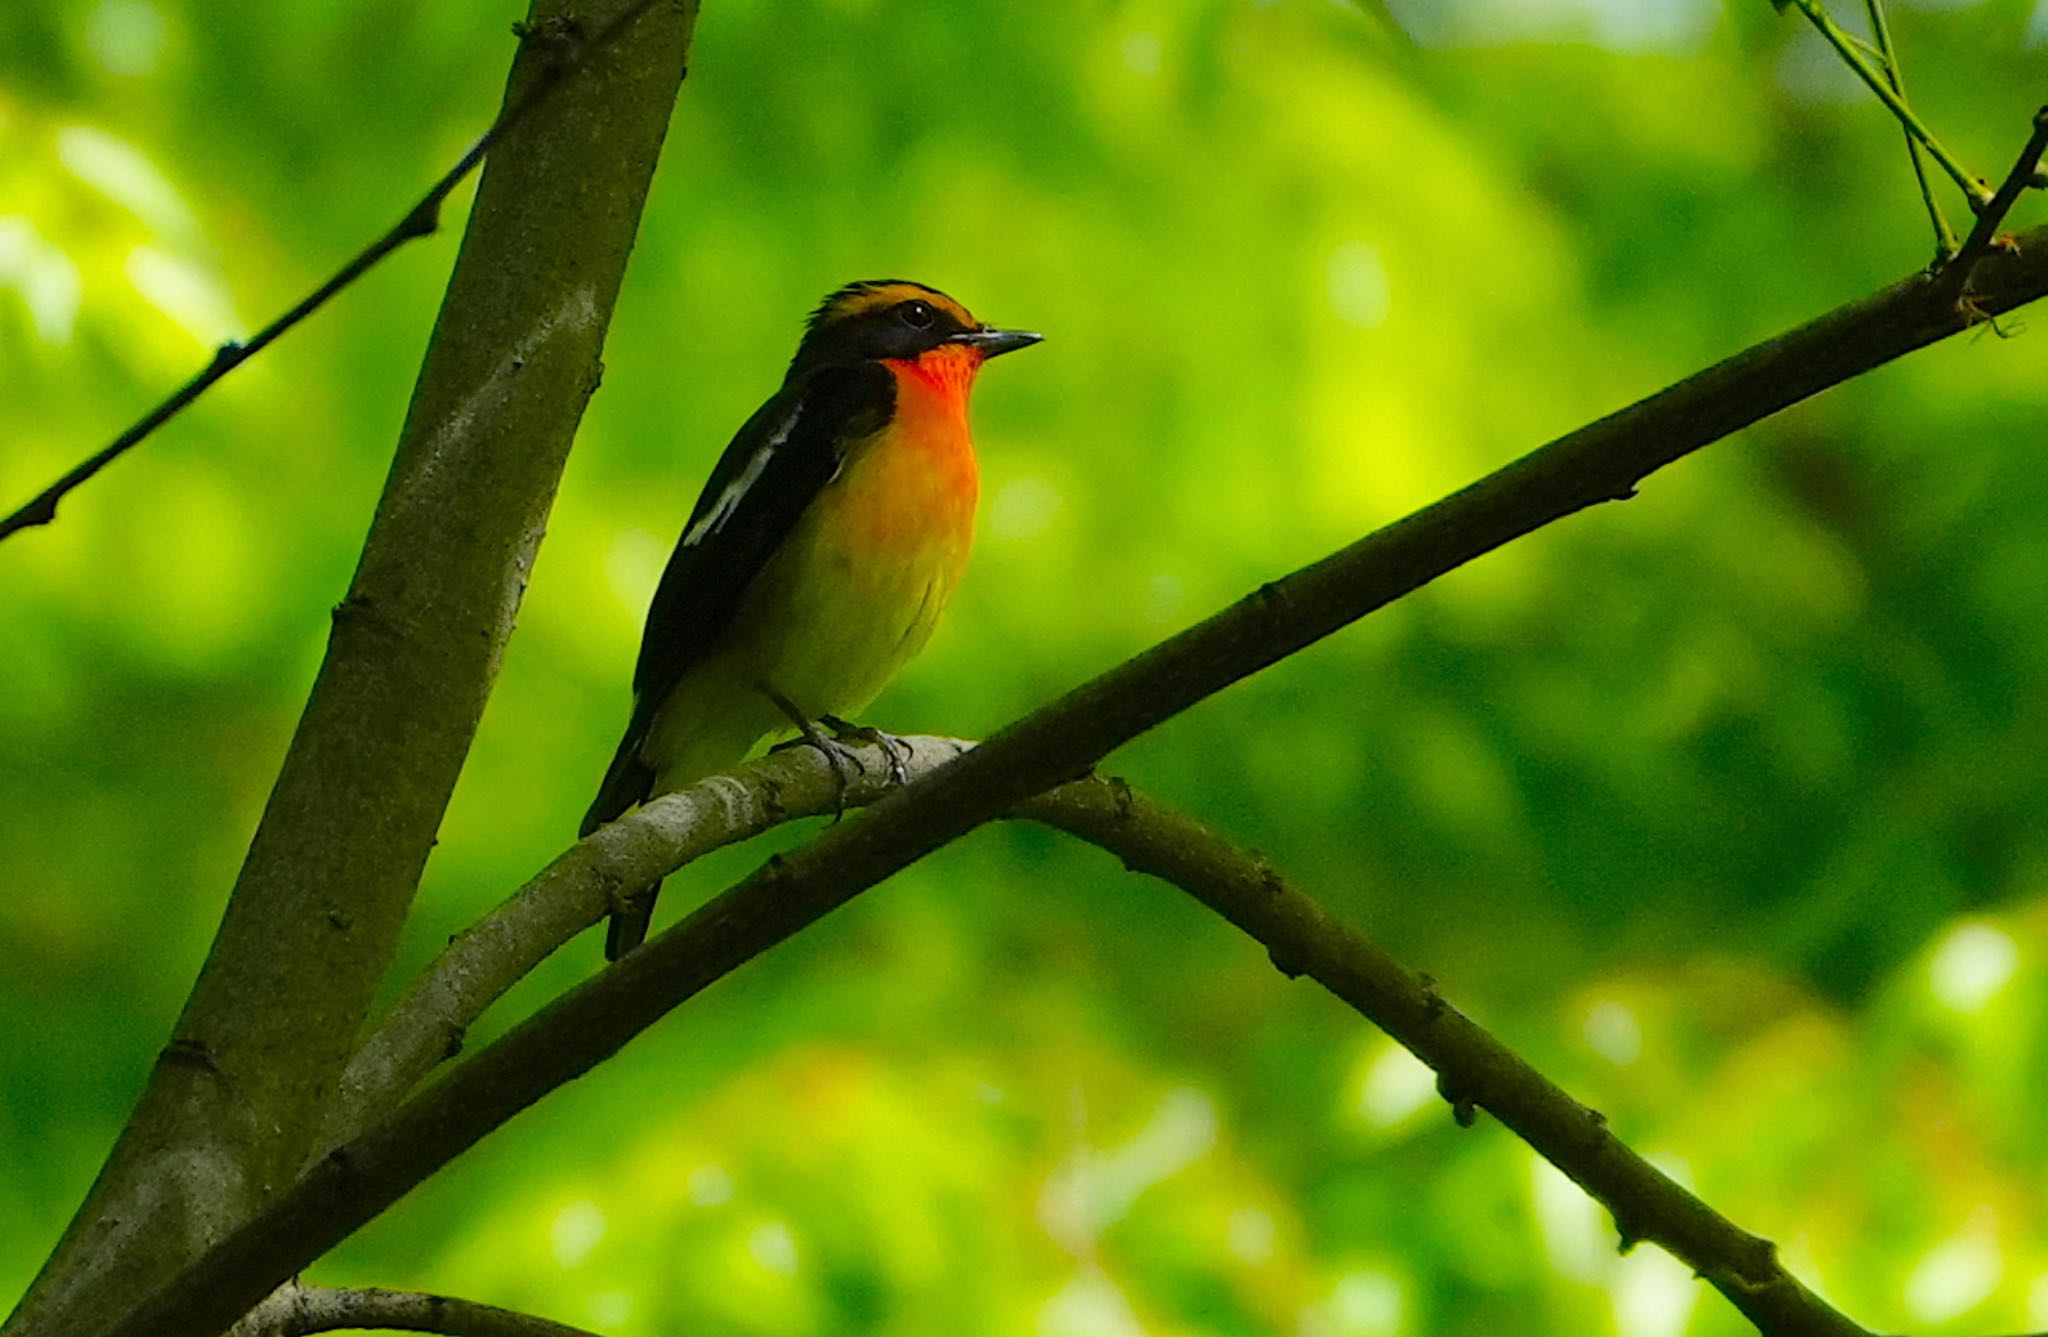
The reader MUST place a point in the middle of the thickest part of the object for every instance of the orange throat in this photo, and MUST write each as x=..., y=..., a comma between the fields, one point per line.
x=944, y=374
x=931, y=425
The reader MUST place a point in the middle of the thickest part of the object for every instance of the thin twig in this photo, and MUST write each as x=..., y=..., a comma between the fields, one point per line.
x=577, y=1031
x=1944, y=235
x=298, y=1311
x=420, y=221
x=1979, y=194
x=1985, y=234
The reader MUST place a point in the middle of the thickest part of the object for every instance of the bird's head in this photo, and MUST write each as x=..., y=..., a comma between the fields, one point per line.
x=895, y=320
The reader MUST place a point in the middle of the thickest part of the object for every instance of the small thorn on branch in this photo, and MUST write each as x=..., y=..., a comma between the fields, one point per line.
x=1464, y=1112
x=1285, y=963
x=558, y=41
x=423, y=221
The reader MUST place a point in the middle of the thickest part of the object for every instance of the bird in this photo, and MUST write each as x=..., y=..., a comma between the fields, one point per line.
x=820, y=553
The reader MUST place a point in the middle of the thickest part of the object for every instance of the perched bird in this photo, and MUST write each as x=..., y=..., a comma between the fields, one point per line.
x=820, y=554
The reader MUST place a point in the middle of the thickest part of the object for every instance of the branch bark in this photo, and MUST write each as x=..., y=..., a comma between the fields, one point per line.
x=298, y=1311
x=234, y=1104
x=1475, y=1069
x=426, y=1025
x=1603, y=461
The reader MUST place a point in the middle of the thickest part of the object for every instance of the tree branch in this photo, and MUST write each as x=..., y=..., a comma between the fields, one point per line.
x=425, y=1026
x=1475, y=1069
x=297, y=1311
x=1985, y=232
x=422, y=220
x=1302, y=938
x=233, y=1108
x=1602, y=461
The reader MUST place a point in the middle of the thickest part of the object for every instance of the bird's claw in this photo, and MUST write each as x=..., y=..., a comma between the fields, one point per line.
x=834, y=748
x=894, y=748
x=837, y=755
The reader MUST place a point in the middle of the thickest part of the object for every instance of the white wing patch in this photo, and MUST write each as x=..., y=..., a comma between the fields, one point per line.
x=736, y=491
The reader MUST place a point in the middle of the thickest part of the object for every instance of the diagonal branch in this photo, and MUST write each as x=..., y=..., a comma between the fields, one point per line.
x=298, y=1311
x=422, y=220
x=1600, y=462
x=1475, y=1069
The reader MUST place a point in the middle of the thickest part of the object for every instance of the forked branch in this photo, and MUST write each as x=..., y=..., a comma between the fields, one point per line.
x=1476, y=1070
x=1600, y=462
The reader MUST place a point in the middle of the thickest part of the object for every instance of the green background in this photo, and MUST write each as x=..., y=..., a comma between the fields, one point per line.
x=1725, y=805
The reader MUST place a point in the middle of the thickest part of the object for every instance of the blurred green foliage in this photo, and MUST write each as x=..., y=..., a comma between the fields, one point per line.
x=1725, y=805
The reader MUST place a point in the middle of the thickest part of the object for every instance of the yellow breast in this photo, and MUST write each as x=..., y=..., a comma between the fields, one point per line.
x=861, y=582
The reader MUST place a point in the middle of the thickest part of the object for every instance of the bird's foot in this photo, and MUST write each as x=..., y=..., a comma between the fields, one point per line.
x=837, y=755
x=894, y=748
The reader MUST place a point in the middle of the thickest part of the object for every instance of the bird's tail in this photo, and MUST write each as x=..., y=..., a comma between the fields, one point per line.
x=703, y=744
x=626, y=782
x=628, y=926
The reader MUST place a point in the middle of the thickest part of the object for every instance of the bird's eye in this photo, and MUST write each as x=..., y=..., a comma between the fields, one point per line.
x=917, y=315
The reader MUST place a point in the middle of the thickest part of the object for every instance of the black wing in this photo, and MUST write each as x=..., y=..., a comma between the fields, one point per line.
x=779, y=461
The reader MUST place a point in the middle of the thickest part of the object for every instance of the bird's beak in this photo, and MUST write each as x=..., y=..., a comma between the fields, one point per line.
x=993, y=343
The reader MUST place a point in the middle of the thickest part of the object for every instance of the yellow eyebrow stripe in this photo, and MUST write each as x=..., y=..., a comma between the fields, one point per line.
x=872, y=297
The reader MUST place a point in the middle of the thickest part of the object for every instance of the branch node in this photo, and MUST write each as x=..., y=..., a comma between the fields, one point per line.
x=356, y=609
x=1120, y=794
x=771, y=799
x=191, y=1051
x=1433, y=1004
x=423, y=221
x=1984, y=237
x=1284, y=963
x=1464, y=1111
x=1754, y=1263
x=558, y=41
